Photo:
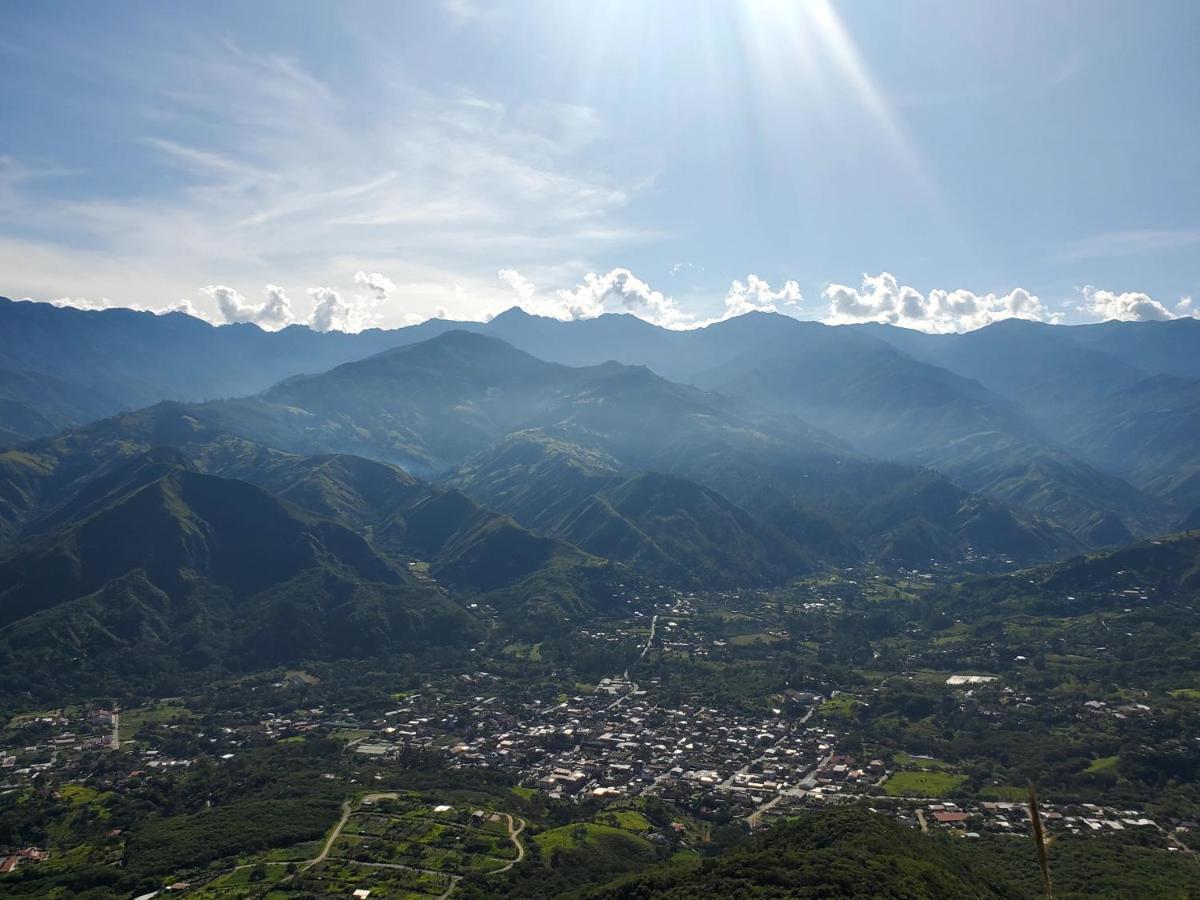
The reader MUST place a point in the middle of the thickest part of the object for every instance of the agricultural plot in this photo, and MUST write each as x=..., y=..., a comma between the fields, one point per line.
x=339, y=878
x=923, y=784
x=423, y=837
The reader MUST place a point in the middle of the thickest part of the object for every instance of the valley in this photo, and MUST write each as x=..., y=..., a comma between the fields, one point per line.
x=745, y=709
x=451, y=620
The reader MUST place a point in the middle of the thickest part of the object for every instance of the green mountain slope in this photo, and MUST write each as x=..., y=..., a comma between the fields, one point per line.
x=466, y=546
x=435, y=404
x=156, y=570
x=1145, y=577
x=663, y=525
x=33, y=405
x=848, y=853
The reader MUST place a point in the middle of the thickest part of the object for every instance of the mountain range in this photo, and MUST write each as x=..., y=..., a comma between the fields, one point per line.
x=1092, y=427
x=405, y=488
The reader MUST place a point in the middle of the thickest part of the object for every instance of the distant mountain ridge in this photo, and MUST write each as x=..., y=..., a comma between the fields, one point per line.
x=1092, y=427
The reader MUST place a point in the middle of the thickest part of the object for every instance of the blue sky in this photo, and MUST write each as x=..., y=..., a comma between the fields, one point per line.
x=937, y=165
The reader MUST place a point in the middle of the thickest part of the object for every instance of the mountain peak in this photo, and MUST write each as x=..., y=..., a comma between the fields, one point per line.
x=513, y=314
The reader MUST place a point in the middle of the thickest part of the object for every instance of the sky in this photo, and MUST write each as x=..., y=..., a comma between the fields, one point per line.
x=936, y=165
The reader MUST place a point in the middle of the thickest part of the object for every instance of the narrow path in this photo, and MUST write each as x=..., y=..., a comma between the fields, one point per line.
x=515, y=827
x=755, y=818
x=337, y=830
x=921, y=820
x=1171, y=839
x=514, y=835
x=454, y=879
x=649, y=641
x=115, y=743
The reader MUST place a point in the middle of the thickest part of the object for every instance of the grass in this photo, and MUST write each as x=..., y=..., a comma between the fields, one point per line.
x=1103, y=764
x=904, y=761
x=1004, y=792
x=923, y=784
x=525, y=793
x=1186, y=693
x=346, y=735
x=758, y=637
x=631, y=820
x=531, y=652
x=78, y=794
x=839, y=707
x=132, y=720
x=591, y=834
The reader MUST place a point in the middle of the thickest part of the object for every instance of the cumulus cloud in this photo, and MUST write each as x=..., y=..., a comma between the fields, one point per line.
x=84, y=303
x=274, y=313
x=619, y=290
x=186, y=307
x=378, y=285
x=334, y=312
x=881, y=298
x=330, y=312
x=89, y=305
x=1131, y=306
x=525, y=289
x=616, y=291
x=755, y=295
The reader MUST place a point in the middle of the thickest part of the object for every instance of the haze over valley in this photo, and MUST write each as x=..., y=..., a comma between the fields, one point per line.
x=601, y=451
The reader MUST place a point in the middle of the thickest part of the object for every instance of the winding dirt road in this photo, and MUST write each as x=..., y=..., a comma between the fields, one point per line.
x=514, y=835
x=347, y=808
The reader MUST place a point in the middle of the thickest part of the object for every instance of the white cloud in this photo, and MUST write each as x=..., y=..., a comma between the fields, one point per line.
x=263, y=172
x=379, y=285
x=1131, y=306
x=616, y=291
x=84, y=303
x=334, y=312
x=88, y=305
x=271, y=315
x=881, y=298
x=330, y=312
x=186, y=307
x=525, y=289
x=1128, y=243
x=755, y=295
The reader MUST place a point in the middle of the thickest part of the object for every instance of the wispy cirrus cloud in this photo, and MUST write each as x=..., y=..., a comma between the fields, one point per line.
x=1129, y=243
x=268, y=175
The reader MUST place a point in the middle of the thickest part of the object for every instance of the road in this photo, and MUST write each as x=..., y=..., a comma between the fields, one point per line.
x=337, y=829
x=515, y=826
x=633, y=684
x=115, y=743
x=755, y=817
x=514, y=835
x=453, y=883
x=649, y=641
